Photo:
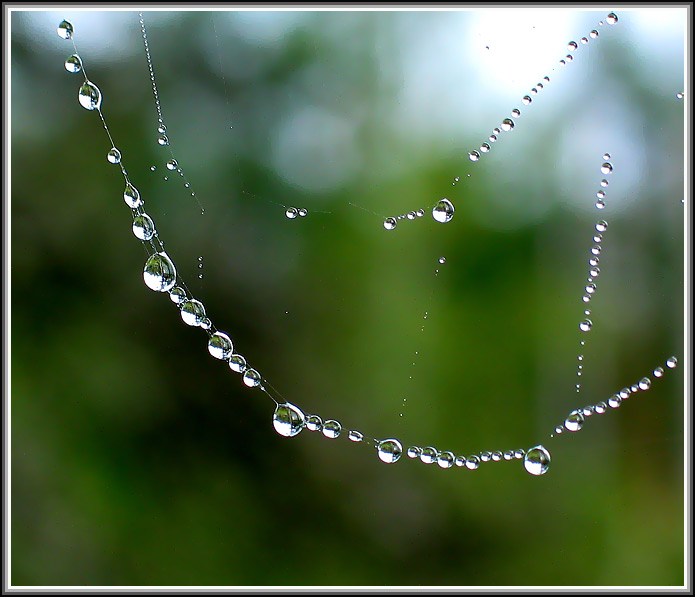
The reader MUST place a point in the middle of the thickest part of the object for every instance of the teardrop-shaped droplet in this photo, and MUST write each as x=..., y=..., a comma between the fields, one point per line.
x=73, y=64
x=192, y=312
x=537, y=460
x=114, y=156
x=220, y=346
x=65, y=29
x=389, y=450
x=132, y=196
x=160, y=273
x=143, y=227
x=331, y=429
x=444, y=211
x=89, y=96
x=288, y=419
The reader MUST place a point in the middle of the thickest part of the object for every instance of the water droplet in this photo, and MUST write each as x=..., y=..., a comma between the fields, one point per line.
x=143, y=227
x=644, y=384
x=546, y=79
x=526, y=100
x=600, y=408
x=153, y=168
x=162, y=128
x=569, y=57
x=442, y=260
x=596, y=250
x=390, y=223
x=65, y=30
x=114, y=156
x=624, y=393
x=177, y=295
x=614, y=401
x=237, y=363
x=302, y=212
x=516, y=113
x=559, y=430
x=594, y=272
x=132, y=196
x=537, y=460
x=634, y=388
x=590, y=288
x=172, y=165
x=163, y=140
x=73, y=64
x=472, y=463
x=331, y=429
x=680, y=95
x=473, y=156
x=593, y=260
x=600, y=194
x=659, y=372
x=192, y=312
x=446, y=459
x=251, y=378
x=585, y=325
x=519, y=454
x=593, y=34
x=574, y=421
x=420, y=213
x=460, y=460
x=534, y=91
x=89, y=96
x=563, y=62
x=288, y=420
x=601, y=225
x=413, y=452
x=444, y=211
x=612, y=18
x=672, y=362
x=484, y=148
x=484, y=457
x=389, y=450
x=159, y=273
x=428, y=455
x=220, y=346
x=291, y=213
x=507, y=124
x=355, y=436
x=314, y=423
x=572, y=46
x=508, y=455
x=492, y=138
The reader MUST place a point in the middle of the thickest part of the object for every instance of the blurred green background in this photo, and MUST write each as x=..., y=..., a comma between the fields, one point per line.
x=137, y=459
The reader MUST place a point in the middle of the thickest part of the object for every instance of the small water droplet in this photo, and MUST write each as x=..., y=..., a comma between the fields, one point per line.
x=600, y=194
x=614, y=401
x=588, y=411
x=288, y=420
x=590, y=288
x=389, y=450
x=163, y=140
x=65, y=30
x=659, y=372
x=291, y=213
x=484, y=148
x=496, y=131
x=442, y=260
x=472, y=463
x=251, y=378
x=331, y=429
x=526, y=100
x=492, y=138
x=596, y=250
x=600, y=204
x=413, y=452
x=537, y=460
x=420, y=213
x=672, y=362
x=473, y=156
x=390, y=223
x=143, y=227
x=680, y=95
x=192, y=312
x=593, y=34
x=612, y=18
x=220, y=346
x=162, y=128
x=601, y=225
x=89, y=96
x=355, y=436
x=159, y=273
x=585, y=325
x=484, y=457
x=428, y=455
x=444, y=211
x=593, y=260
x=574, y=421
x=237, y=363
x=172, y=165
x=644, y=384
x=572, y=46
x=446, y=459
x=600, y=408
x=73, y=64
x=584, y=40
x=114, y=156
x=516, y=113
x=507, y=124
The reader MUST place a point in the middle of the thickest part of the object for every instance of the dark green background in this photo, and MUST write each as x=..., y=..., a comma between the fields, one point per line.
x=137, y=459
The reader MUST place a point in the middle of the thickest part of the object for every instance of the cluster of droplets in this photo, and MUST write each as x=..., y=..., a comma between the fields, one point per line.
x=391, y=222
x=442, y=211
x=575, y=419
x=291, y=213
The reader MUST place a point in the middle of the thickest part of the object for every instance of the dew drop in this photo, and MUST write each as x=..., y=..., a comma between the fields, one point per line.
x=574, y=421
x=355, y=436
x=484, y=148
x=593, y=260
x=177, y=295
x=473, y=156
x=251, y=378
x=73, y=64
x=302, y=212
x=612, y=18
x=624, y=393
x=492, y=138
x=163, y=140
x=644, y=384
x=584, y=40
x=604, y=183
x=220, y=346
x=442, y=260
x=601, y=225
x=680, y=95
x=600, y=408
x=420, y=213
x=237, y=363
x=559, y=430
x=484, y=457
x=172, y=165
x=162, y=128
x=516, y=113
x=114, y=156
x=65, y=29
x=460, y=460
x=389, y=223
x=413, y=452
x=446, y=459
x=593, y=34
x=132, y=196
x=143, y=227
x=192, y=312
x=496, y=456
x=588, y=411
x=537, y=460
x=159, y=273
x=288, y=420
x=600, y=194
x=526, y=100
x=314, y=423
x=672, y=362
x=594, y=272
x=444, y=211
x=291, y=213
x=572, y=46
x=428, y=455
x=507, y=124
x=89, y=96
x=472, y=463
x=614, y=401
x=389, y=450
x=585, y=325
x=331, y=429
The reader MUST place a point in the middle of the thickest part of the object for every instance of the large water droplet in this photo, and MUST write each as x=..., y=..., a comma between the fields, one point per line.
x=73, y=64
x=389, y=450
x=65, y=29
x=291, y=213
x=132, y=196
x=444, y=211
x=612, y=18
x=601, y=225
x=390, y=223
x=672, y=362
x=428, y=455
x=331, y=429
x=114, y=156
x=585, y=325
x=507, y=124
x=89, y=96
x=251, y=378
x=606, y=168
x=537, y=460
x=220, y=346
x=143, y=227
x=288, y=420
x=574, y=421
x=192, y=312
x=644, y=384
x=237, y=363
x=446, y=459
x=177, y=295
x=473, y=156
x=472, y=463
x=160, y=273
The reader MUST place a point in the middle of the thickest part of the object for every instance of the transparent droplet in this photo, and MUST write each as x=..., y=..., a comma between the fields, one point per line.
x=596, y=250
x=534, y=91
x=587, y=411
x=507, y=124
x=177, y=295
x=492, y=138
x=593, y=260
x=572, y=46
x=594, y=272
x=472, y=463
x=251, y=378
x=413, y=452
x=600, y=408
x=519, y=454
x=614, y=401
x=612, y=18
x=659, y=372
x=601, y=225
x=132, y=196
x=624, y=393
x=584, y=40
x=559, y=430
x=680, y=95
x=563, y=62
x=644, y=384
x=65, y=30
x=159, y=273
x=473, y=156
x=444, y=211
x=484, y=457
x=237, y=363
x=569, y=57
x=143, y=227
x=172, y=165
x=496, y=456
x=389, y=450
x=446, y=459
x=114, y=156
x=484, y=148
x=390, y=223
x=508, y=455
x=537, y=460
x=593, y=34
x=89, y=96
x=574, y=421
x=442, y=260
x=192, y=312
x=291, y=213
x=496, y=131
x=314, y=423
x=220, y=346
x=331, y=429
x=302, y=212
x=600, y=204
x=288, y=420
x=420, y=213
x=672, y=362
x=590, y=288
x=73, y=64
x=585, y=325
x=355, y=436
x=162, y=128
x=460, y=460
x=516, y=113
x=601, y=194
x=163, y=140
x=428, y=455
x=526, y=100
